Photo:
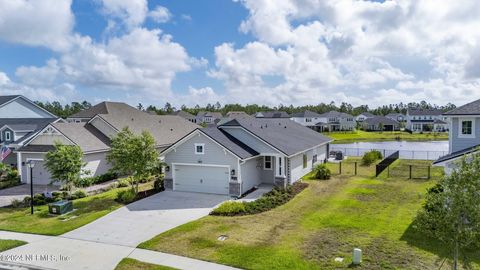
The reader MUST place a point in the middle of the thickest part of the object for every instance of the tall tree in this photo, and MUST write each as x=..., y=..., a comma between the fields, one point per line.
x=451, y=213
x=65, y=164
x=133, y=155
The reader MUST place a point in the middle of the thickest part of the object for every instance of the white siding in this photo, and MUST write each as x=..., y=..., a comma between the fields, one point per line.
x=103, y=127
x=20, y=108
x=50, y=139
x=251, y=173
x=296, y=162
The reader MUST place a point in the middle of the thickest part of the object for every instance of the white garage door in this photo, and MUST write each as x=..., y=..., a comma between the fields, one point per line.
x=206, y=179
x=40, y=175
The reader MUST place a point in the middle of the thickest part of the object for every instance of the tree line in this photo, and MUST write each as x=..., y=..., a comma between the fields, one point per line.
x=66, y=110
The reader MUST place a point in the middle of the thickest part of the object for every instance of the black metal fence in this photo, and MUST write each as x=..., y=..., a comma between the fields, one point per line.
x=384, y=164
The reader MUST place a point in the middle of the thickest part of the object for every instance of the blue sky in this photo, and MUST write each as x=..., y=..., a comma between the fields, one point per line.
x=246, y=51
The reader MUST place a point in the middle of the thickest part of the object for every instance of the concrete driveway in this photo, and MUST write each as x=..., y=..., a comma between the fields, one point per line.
x=144, y=219
x=104, y=242
x=21, y=191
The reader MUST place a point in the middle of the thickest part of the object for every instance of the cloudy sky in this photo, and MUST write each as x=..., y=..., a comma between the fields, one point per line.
x=245, y=51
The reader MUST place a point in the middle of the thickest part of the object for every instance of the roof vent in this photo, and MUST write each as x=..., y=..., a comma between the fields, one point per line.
x=132, y=119
x=285, y=127
x=171, y=129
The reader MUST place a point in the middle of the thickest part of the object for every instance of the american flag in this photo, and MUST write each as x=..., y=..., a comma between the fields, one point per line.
x=4, y=152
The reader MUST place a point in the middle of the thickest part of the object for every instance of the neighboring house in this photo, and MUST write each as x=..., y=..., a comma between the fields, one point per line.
x=186, y=115
x=239, y=114
x=361, y=117
x=337, y=121
x=380, y=123
x=396, y=116
x=272, y=114
x=307, y=119
x=426, y=120
x=106, y=107
x=93, y=137
x=208, y=117
x=464, y=134
x=20, y=119
x=242, y=153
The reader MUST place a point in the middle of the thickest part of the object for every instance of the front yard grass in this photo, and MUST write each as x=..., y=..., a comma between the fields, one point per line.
x=9, y=244
x=87, y=210
x=364, y=136
x=132, y=264
x=325, y=221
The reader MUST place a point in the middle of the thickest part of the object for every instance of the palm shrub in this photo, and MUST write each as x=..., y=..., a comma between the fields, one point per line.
x=322, y=172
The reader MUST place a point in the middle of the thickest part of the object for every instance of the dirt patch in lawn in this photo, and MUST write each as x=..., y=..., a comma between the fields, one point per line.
x=378, y=252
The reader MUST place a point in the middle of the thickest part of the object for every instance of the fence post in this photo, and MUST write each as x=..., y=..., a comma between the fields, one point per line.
x=410, y=172
x=388, y=171
x=355, y=168
x=340, y=168
x=429, y=172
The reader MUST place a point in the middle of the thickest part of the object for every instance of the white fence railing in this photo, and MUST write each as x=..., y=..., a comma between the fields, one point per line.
x=404, y=154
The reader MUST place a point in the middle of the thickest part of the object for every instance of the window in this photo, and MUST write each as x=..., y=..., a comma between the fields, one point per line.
x=267, y=162
x=314, y=159
x=308, y=120
x=466, y=128
x=8, y=136
x=199, y=148
x=280, y=166
x=305, y=161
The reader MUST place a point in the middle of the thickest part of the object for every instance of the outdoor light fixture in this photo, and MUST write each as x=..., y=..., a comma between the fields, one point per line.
x=31, y=164
x=232, y=172
x=167, y=168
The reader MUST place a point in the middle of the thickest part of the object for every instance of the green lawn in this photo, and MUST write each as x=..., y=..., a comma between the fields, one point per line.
x=9, y=244
x=325, y=221
x=87, y=210
x=364, y=136
x=131, y=264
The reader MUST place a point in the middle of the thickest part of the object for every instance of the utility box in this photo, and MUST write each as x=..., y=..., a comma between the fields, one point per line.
x=60, y=207
x=357, y=256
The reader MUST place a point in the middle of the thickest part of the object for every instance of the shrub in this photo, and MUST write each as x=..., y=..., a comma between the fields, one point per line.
x=126, y=196
x=106, y=177
x=370, y=157
x=39, y=199
x=80, y=193
x=16, y=203
x=123, y=182
x=269, y=200
x=322, y=172
x=159, y=184
x=230, y=208
x=12, y=175
x=26, y=201
x=84, y=182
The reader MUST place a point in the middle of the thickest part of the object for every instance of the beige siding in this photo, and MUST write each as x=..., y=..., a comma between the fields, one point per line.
x=50, y=139
x=96, y=164
x=103, y=127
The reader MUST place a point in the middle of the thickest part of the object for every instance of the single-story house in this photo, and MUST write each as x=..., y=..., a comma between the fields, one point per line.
x=380, y=123
x=93, y=137
x=242, y=153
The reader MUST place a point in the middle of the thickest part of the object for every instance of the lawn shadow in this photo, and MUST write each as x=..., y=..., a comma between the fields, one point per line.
x=413, y=236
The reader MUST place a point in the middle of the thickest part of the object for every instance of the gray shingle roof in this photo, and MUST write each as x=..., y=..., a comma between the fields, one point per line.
x=332, y=114
x=283, y=134
x=272, y=114
x=380, y=120
x=414, y=111
x=184, y=114
x=367, y=114
x=36, y=148
x=26, y=124
x=105, y=107
x=457, y=154
x=472, y=108
x=229, y=142
x=5, y=99
x=84, y=135
x=306, y=113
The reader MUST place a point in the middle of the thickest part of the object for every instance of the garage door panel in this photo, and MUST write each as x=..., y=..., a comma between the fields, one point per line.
x=41, y=176
x=207, y=179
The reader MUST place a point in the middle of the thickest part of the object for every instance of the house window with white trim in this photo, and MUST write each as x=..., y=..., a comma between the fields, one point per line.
x=8, y=136
x=305, y=161
x=267, y=162
x=308, y=120
x=467, y=128
x=199, y=148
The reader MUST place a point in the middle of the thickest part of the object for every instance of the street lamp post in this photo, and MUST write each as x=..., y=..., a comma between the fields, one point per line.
x=30, y=165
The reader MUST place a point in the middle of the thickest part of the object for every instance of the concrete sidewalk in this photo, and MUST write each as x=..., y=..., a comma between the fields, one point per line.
x=57, y=252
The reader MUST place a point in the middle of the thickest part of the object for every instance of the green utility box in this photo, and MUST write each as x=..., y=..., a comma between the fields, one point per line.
x=60, y=208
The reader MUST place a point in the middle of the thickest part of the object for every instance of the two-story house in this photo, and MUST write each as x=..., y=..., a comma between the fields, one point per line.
x=272, y=114
x=399, y=117
x=337, y=121
x=308, y=119
x=426, y=120
x=208, y=117
x=20, y=119
x=363, y=116
x=464, y=134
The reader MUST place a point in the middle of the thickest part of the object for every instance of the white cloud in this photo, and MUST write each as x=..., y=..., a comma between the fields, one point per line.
x=45, y=23
x=132, y=13
x=200, y=96
x=353, y=50
x=4, y=78
x=160, y=14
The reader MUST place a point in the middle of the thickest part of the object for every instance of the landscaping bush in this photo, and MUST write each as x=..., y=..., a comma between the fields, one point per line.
x=90, y=181
x=322, y=172
x=123, y=182
x=230, y=208
x=39, y=199
x=84, y=182
x=106, y=177
x=80, y=193
x=16, y=203
x=370, y=157
x=159, y=184
x=126, y=196
x=269, y=200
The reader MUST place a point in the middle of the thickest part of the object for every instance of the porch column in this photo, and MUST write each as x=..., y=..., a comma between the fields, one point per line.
x=19, y=164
